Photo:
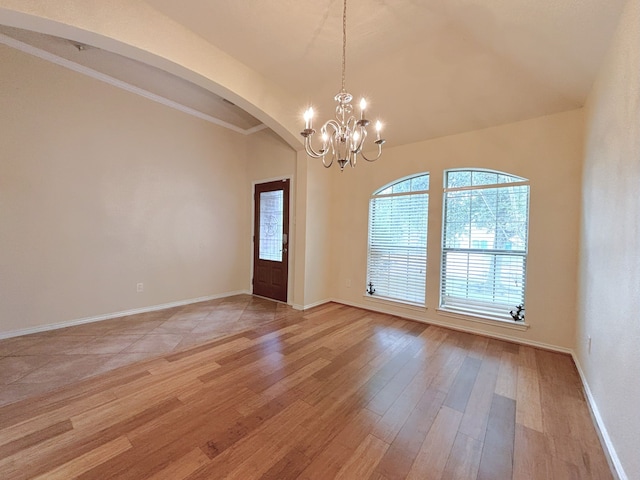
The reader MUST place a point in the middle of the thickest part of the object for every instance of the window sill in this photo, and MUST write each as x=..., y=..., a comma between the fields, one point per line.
x=485, y=319
x=396, y=303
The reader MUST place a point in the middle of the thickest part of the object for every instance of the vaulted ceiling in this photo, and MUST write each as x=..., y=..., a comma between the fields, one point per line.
x=428, y=67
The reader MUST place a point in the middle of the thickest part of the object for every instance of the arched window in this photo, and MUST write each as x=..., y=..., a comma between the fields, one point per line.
x=484, y=242
x=397, y=253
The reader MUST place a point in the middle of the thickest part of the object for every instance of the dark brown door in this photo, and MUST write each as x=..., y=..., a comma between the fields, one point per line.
x=271, y=240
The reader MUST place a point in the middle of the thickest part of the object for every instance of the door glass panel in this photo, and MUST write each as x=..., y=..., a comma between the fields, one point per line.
x=271, y=205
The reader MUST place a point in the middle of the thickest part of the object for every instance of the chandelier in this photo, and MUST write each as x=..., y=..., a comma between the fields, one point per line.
x=342, y=138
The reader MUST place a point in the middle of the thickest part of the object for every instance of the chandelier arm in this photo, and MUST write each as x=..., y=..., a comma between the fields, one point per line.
x=333, y=124
x=351, y=123
x=377, y=156
x=331, y=146
x=363, y=136
x=310, y=151
x=349, y=130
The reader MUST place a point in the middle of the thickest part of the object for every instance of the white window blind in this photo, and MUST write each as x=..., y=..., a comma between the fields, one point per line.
x=484, y=251
x=397, y=253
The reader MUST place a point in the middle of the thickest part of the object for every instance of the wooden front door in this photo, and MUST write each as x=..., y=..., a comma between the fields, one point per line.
x=271, y=240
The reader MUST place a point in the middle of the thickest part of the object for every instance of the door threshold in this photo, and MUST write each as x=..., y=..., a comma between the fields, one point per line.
x=272, y=299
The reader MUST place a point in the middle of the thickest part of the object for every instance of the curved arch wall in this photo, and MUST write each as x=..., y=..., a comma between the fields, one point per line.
x=136, y=30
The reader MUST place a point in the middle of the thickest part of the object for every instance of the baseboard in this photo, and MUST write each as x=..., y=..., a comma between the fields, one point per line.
x=297, y=306
x=109, y=316
x=605, y=439
x=477, y=331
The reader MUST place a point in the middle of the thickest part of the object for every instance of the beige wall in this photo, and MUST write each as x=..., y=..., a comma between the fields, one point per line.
x=101, y=189
x=610, y=254
x=545, y=150
x=269, y=157
x=313, y=228
x=319, y=251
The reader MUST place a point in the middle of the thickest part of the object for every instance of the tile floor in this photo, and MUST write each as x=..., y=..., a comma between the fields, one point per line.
x=31, y=365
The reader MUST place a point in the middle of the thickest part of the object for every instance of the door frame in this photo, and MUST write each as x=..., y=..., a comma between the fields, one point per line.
x=291, y=239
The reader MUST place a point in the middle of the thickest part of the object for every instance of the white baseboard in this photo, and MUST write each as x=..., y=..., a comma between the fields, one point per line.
x=605, y=439
x=297, y=306
x=109, y=316
x=422, y=319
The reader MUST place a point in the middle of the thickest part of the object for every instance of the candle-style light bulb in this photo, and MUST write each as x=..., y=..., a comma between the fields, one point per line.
x=308, y=115
x=378, y=128
x=363, y=106
x=356, y=137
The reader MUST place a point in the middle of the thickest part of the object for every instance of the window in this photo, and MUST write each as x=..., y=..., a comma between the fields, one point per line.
x=484, y=242
x=271, y=225
x=397, y=253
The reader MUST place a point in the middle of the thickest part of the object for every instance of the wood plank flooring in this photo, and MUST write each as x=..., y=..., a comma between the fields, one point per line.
x=33, y=364
x=336, y=392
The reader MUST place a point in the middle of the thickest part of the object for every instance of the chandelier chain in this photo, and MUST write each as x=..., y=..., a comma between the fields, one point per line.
x=344, y=44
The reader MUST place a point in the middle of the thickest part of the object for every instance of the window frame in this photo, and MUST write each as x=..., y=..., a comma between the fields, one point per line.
x=483, y=310
x=382, y=193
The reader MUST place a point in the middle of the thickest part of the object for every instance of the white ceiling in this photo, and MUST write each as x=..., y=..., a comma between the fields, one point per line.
x=428, y=67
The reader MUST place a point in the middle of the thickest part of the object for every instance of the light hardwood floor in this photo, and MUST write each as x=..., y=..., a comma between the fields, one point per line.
x=34, y=364
x=336, y=392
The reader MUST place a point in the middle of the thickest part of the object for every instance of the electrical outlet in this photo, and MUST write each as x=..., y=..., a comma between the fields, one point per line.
x=589, y=344
x=348, y=283
x=140, y=287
